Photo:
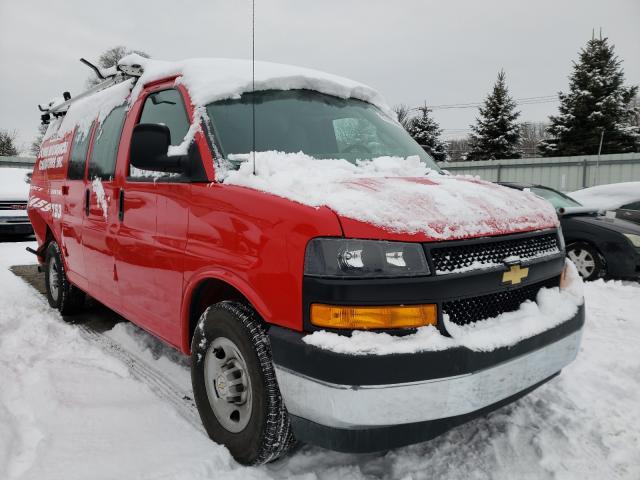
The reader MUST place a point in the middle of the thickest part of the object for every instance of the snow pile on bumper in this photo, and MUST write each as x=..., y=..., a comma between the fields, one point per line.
x=552, y=307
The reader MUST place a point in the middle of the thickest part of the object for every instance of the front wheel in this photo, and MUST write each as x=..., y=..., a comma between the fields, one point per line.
x=587, y=259
x=235, y=387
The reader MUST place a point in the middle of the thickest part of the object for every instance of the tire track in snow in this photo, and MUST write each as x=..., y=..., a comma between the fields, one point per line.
x=162, y=386
x=159, y=384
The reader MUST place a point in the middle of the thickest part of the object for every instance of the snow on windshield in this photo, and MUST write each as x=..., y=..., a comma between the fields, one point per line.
x=398, y=194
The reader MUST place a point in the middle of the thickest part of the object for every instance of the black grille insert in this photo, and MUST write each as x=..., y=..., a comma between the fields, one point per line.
x=469, y=310
x=471, y=256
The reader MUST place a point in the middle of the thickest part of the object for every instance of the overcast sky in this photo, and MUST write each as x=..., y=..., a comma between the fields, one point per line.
x=411, y=51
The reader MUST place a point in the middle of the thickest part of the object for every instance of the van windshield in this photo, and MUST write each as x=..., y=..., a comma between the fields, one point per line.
x=319, y=125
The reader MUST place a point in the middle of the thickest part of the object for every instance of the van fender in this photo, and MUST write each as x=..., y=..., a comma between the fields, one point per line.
x=208, y=273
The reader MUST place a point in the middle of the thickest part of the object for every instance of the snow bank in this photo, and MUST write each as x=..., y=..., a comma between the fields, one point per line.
x=13, y=185
x=212, y=79
x=398, y=194
x=608, y=197
x=552, y=307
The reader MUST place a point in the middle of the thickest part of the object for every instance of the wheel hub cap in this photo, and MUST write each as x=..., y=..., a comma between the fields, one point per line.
x=584, y=261
x=228, y=384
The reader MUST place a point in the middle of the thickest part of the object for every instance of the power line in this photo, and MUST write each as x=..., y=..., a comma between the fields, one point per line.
x=518, y=101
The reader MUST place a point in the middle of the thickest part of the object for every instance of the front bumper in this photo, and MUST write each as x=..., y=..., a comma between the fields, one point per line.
x=362, y=403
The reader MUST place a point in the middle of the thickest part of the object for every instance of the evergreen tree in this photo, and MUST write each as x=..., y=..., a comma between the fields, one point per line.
x=426, y=131
x=496, y=133
x=597, y=104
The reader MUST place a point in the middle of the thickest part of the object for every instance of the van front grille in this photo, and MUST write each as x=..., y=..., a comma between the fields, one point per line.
x=474, y=309
x=471, y=256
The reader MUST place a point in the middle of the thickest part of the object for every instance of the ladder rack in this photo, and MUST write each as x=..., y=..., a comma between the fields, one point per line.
x=120, y=74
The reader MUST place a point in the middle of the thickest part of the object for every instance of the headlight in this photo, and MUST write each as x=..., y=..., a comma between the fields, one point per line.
x=341, y=257
x=635, y=239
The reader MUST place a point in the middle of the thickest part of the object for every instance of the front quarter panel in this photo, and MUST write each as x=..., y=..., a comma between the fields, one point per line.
x=255, y=242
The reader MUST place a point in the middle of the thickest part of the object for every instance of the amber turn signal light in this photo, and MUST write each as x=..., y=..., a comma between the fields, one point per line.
x=377, y=317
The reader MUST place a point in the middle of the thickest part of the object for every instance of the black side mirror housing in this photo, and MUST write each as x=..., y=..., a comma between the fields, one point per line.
x=149, y=146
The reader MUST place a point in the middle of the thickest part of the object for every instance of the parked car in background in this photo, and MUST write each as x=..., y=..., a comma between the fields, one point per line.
x=14, y=192
x=622, y=198
x=599, y=245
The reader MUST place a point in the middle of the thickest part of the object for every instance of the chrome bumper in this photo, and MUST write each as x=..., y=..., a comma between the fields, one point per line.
x=356, y=407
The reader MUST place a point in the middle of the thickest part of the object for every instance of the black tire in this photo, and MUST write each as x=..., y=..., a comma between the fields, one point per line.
x=267, y=435
x=61, y=294
x=586, y=251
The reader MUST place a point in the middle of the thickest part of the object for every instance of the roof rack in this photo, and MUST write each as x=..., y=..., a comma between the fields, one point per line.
x=109, y=77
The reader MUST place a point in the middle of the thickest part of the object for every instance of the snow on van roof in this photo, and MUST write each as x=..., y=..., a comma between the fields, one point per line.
x=212, y=79
x=83, y=112
x=209, y=80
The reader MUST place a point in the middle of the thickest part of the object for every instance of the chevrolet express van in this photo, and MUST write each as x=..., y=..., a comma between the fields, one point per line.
x=331, y=284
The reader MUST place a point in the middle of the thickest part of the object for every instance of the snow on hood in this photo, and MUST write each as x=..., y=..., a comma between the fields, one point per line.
x=608, y=197
x=397, y=194
x=13, y=185
x=212, y=79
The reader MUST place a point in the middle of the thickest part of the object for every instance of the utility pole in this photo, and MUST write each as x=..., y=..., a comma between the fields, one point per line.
x=597, y=174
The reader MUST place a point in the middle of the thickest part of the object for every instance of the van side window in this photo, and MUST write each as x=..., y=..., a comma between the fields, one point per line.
x=105, y=146
x=166, y=107
x=78, y=158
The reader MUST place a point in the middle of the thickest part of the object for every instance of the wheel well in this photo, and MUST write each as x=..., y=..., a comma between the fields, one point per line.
x=206, y=293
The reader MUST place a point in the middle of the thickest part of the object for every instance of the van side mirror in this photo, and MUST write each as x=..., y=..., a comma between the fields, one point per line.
x=149, y=146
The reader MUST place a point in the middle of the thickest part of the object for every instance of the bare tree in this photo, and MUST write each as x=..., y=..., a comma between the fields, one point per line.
x=458, y=149
x=111, y=57
x=531, y=135
x=8, y=143
x=403, y=112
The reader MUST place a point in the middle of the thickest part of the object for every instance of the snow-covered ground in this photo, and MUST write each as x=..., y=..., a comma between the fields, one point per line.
x=70, y=409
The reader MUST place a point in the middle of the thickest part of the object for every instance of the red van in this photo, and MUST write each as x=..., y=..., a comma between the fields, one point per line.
x=331, y=284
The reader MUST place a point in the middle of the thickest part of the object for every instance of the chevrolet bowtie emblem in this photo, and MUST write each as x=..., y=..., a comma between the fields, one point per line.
x=515, y=274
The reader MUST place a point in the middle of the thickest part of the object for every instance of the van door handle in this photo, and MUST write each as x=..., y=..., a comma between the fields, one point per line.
x=65, y=190
x=121, y=205
x=86, y=202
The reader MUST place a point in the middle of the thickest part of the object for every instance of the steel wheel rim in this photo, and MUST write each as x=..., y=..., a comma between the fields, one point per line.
x=54, y=279
x=583, y=260
x=228, y=384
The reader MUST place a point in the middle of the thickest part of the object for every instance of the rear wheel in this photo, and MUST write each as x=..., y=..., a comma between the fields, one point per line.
x=588, y=261
x=235, y=387
x=61, y=294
